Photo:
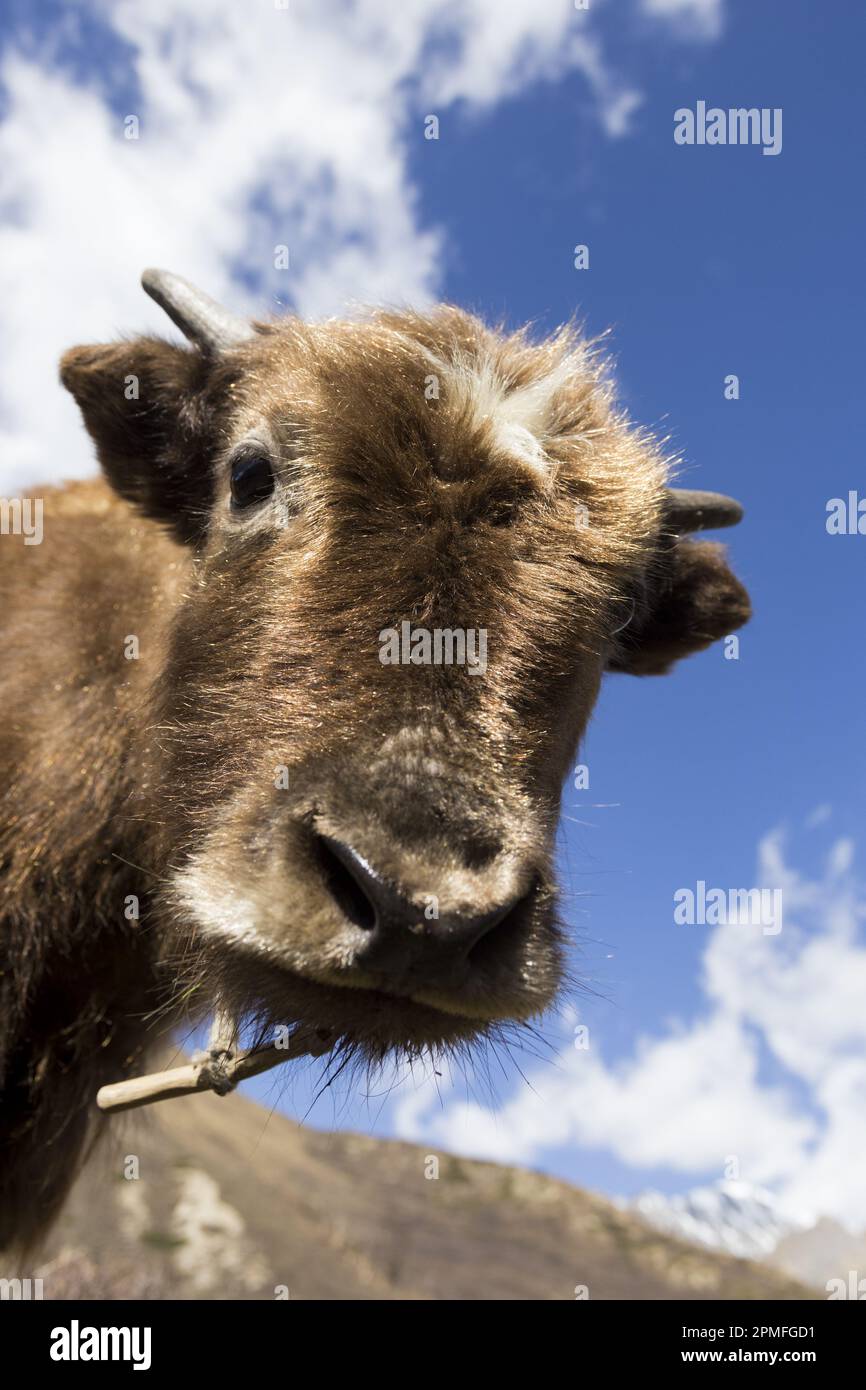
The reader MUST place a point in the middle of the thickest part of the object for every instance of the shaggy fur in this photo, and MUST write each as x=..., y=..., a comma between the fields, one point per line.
x=428, y=469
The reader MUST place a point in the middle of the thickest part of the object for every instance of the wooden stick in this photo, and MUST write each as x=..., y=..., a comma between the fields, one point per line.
x=219, y=1069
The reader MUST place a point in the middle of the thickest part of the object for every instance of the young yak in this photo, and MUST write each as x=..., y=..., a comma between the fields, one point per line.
x=290, y=694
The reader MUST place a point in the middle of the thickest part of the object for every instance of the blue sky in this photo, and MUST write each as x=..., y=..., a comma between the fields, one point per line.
x=703, y=262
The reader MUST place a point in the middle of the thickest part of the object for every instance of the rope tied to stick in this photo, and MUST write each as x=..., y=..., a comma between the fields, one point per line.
x=214, y=1070
x=215, y=1062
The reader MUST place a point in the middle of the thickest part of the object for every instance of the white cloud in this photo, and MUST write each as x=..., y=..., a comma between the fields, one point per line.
x=258, y=126
x=693, y=18
x=695, y=1094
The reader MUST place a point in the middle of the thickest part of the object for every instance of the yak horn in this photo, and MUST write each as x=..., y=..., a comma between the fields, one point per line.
x=700, y=511
x=197, y=316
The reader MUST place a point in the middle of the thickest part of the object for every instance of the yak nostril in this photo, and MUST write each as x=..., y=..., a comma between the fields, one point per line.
x=480, y=849
x=401, y=941
x=510, y=923
x=344, y=883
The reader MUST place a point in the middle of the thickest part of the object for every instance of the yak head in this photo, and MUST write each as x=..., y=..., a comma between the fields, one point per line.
x=408, y=549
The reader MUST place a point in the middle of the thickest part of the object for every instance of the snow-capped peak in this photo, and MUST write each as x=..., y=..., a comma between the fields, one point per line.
x=733, y=1216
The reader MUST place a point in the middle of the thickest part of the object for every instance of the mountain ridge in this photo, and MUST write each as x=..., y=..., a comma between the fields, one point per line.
x=217, y=1198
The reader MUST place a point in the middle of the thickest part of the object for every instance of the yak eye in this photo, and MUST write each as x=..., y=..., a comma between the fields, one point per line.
x=252, y=480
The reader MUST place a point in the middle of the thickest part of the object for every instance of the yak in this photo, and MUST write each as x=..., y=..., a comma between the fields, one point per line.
x=216, y=792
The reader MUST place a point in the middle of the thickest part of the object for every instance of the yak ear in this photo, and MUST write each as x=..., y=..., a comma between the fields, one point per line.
x=694, y=600
x=143, y=404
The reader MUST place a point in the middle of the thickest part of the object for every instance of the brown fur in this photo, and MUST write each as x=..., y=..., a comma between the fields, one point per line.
x=258, y=648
